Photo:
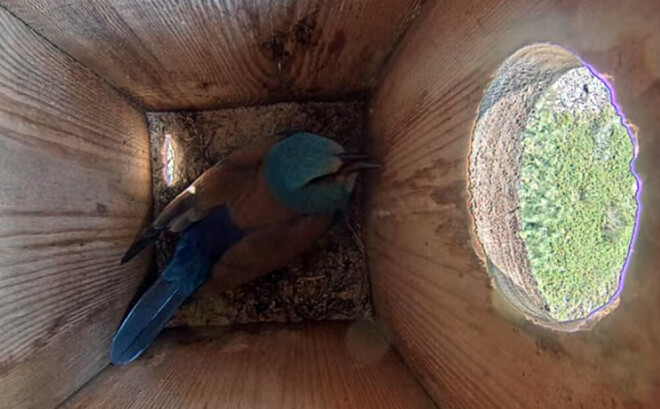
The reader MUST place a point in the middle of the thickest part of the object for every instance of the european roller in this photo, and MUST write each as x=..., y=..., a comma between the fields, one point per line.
x=250, y=213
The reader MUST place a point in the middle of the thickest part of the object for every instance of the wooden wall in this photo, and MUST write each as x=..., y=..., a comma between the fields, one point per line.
x=433, y=292
x=327, y=365
x=74, y=184
x=208, y=54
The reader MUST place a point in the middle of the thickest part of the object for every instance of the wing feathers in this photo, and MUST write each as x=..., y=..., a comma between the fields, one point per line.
x=217, y=186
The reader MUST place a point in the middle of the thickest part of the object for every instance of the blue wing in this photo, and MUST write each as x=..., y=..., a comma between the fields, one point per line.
x=202, y=244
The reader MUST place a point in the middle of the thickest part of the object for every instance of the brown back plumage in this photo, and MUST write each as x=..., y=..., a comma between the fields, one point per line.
x=231, y=179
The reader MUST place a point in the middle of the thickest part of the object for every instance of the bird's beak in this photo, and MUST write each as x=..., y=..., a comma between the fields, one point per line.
x=358, y=161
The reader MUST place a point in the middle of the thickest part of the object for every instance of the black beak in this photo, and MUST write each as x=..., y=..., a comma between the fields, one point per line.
x=358, y=161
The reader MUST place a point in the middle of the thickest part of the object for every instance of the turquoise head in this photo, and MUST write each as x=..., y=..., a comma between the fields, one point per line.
x=312, y=174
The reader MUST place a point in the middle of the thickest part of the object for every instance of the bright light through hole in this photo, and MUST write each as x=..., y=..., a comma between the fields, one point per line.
x=168, y=160
x=553, y=191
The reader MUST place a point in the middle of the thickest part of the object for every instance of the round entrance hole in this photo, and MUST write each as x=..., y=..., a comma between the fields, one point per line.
x=553, y=192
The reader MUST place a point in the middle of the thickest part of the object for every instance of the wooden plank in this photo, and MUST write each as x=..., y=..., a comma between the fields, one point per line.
x=209, y=54
x=431, y=289
x=315, y=366
x=74, y=188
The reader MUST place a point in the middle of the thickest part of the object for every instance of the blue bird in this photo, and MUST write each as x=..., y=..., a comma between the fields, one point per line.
x=252, y=212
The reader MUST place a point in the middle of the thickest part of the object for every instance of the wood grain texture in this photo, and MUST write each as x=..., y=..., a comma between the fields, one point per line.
x=430, y=287
x=74, y=188
x=210, y=54
x=312, y=366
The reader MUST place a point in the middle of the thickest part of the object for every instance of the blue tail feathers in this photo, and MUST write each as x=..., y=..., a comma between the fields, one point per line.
x=146, y=320
x=202, y=244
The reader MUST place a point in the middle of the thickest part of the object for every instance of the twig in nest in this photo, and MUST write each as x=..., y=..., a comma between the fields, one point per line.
x=358, y=239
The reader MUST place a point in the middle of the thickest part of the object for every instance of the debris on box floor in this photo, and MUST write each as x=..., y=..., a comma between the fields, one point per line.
x=328, y=282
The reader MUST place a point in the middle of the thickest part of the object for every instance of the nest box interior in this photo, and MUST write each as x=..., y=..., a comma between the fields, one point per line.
x=108, y=109
x=329, y=281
